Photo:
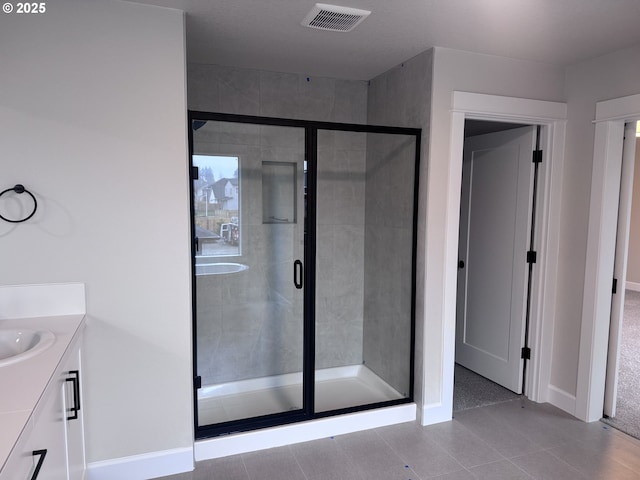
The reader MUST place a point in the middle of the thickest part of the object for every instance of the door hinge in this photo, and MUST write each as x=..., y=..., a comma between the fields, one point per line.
x=532, y=256
x=195, y=173
x=525, y=353
x=197, y=382
x=537, y=156
x=614, y=288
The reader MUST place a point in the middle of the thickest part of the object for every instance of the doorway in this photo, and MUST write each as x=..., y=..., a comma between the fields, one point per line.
x=494, y=268
x=611, y=116
x=304, y=246
x=551, y=116
x=622, y=397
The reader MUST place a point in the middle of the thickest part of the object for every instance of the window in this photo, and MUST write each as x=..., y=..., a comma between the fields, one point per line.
x=217, y=205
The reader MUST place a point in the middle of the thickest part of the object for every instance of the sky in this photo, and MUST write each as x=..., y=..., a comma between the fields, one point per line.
x=222, y=167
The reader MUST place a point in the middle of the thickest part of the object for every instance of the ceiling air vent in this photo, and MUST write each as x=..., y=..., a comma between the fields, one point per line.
x=334, y=17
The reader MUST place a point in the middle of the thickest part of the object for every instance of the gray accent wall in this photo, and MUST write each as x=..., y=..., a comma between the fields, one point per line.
x=364, y=218
x=400, y=97
x=388, y=257
x=244, y=331
x=213, y=88
x=340, y=248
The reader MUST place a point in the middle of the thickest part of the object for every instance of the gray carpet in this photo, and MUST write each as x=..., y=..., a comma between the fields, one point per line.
x=471, y=390
x=627, y=416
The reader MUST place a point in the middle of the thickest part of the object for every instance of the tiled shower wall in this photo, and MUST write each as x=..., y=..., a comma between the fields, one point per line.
x=242, y=332
x=388, y=257
x=399, y=97
x=212, y=88
x=340, y=248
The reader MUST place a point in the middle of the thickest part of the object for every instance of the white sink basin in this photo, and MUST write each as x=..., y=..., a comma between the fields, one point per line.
x=17, y=344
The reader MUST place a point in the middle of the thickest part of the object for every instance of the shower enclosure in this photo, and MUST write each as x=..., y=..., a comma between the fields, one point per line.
x=304, y=239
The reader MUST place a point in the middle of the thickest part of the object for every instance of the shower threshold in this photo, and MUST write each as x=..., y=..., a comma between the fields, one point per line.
x=336, y=388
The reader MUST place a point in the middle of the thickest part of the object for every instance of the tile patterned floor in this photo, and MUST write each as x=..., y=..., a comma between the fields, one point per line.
x=513, y=440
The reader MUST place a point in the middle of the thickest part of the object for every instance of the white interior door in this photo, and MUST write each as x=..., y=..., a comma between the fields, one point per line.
x=620, y=268
x=494, y=226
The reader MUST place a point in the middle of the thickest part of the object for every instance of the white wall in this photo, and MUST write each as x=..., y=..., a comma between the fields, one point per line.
x=581, y=86
x=610, y=76
x=633, y=263
x=461, y=71
x=92, y=121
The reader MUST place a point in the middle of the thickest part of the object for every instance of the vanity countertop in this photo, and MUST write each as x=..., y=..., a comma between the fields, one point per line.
x=24, y=382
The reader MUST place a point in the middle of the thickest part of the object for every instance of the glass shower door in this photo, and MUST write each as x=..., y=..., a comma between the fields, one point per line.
x=248, y=221
x=364, y=269
x=304, y=269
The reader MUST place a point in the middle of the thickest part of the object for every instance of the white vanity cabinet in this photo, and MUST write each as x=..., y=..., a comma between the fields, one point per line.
x=51, y=447
x=48, y=436
x=74, y=420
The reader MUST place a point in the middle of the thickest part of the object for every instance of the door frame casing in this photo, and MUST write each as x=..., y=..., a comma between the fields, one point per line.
x=552, y=117
x=620, y=267
x=611, y=116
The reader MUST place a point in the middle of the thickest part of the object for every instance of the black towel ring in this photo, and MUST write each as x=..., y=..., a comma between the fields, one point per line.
x=20, y=189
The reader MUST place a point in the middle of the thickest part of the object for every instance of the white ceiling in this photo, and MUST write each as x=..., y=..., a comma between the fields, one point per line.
x=267, y=35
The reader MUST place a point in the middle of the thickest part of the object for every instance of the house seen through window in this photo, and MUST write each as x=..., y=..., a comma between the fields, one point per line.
x=217, y=205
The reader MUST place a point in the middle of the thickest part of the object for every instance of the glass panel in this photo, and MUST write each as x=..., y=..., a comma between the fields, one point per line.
x=363, y=270
x=249, y=314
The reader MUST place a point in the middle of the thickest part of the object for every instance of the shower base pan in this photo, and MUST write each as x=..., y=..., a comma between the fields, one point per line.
x=336, y=388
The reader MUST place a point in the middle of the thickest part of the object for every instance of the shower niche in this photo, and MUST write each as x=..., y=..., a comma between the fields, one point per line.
x=304, y=269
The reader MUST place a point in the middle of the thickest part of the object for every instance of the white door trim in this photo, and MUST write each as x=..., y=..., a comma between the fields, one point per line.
x=611, y=116
x=552, y=116
x=620, y=267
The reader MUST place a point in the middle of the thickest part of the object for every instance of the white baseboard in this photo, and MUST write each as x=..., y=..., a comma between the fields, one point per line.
x=143, y=467
x=632, y=286
x=302, y=432
x=561, y=399
x=435, y=413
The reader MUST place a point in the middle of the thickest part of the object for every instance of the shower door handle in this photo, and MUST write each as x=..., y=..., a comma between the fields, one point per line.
x=297, y=274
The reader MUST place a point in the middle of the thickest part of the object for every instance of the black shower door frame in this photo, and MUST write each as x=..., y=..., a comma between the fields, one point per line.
x=307, y=412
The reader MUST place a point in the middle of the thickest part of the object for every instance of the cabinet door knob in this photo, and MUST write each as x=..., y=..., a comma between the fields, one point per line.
x=41, y=454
